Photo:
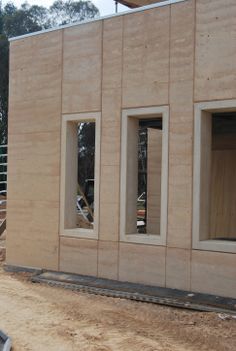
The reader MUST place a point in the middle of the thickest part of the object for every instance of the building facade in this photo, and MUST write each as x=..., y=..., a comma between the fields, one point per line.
x=170, y=69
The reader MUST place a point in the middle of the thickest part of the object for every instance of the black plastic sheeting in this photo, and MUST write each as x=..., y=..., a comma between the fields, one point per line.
x=138, y=292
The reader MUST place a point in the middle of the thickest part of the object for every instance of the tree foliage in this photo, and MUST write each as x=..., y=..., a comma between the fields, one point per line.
x=21, y=21
x=63, y=12
x=16, y=21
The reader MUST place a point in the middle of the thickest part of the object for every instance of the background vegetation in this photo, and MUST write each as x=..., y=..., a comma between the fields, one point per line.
x=16, y=21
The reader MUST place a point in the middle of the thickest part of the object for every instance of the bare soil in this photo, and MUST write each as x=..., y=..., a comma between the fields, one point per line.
x=39, y=317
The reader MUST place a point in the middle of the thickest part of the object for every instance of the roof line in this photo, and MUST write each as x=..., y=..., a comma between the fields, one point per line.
x=126, y=3
x=139, y=9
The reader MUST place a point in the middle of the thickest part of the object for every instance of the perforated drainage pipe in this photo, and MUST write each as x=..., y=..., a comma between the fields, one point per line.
x=5, y=342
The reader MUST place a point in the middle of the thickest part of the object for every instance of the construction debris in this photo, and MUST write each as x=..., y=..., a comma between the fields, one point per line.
x=5, y=342
x=226, y=317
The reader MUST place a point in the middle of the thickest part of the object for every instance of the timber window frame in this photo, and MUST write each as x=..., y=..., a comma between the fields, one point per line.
x=69, y=146
x=126, y=181
x=201, y=201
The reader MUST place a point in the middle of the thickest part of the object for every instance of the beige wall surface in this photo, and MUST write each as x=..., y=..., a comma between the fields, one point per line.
x=173, y=55
x=34, y=151
x=215, y=50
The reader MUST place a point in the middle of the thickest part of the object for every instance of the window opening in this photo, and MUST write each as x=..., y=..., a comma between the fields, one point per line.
x=144, y=175
x=222, y=222
x=85, y=175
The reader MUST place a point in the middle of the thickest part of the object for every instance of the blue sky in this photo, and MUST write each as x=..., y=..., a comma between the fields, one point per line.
x=106, y=7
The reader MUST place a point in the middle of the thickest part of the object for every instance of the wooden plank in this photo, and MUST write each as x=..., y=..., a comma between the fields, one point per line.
x=224, y=142
x=205, y=181
x=223, y=194
x=130, y=198
x=154, y=162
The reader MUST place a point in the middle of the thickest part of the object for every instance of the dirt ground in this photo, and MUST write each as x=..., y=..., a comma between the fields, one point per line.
x=39, y=317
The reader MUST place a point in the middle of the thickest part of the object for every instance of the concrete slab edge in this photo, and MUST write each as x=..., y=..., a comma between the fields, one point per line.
x=171, y=302
x=18, y=269
x=114, y=292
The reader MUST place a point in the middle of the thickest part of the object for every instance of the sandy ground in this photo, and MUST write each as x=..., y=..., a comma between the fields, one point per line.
x=39, y=317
